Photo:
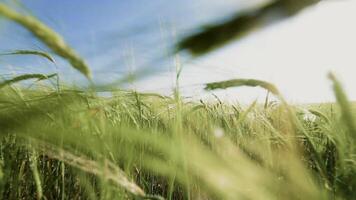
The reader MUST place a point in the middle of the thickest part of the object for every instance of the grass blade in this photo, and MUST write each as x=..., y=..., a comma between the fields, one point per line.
x=26, y=77
x=31, y=52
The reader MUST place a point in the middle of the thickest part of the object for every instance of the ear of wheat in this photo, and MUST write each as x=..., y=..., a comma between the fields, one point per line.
x=49, y=37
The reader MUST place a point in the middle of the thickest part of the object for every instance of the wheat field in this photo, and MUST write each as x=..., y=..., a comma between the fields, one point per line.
x=63, y=142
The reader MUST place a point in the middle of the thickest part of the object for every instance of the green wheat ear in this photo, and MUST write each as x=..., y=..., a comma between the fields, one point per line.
x=49, y=37
x=342, y=100
x=243, y=82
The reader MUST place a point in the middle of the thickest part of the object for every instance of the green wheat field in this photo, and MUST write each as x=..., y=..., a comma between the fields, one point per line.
x=63, y=142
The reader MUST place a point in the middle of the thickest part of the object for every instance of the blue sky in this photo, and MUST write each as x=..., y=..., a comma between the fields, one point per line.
x=117, y=36
x=110, y=34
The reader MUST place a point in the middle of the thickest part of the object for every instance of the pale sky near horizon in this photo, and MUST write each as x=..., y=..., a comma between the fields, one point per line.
x=116, y=36
x=296, y=55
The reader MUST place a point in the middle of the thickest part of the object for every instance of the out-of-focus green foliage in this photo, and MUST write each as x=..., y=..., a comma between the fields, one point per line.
x=216, y=35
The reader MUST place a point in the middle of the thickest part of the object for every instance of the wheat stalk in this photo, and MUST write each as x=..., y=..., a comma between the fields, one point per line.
x=109, y=171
